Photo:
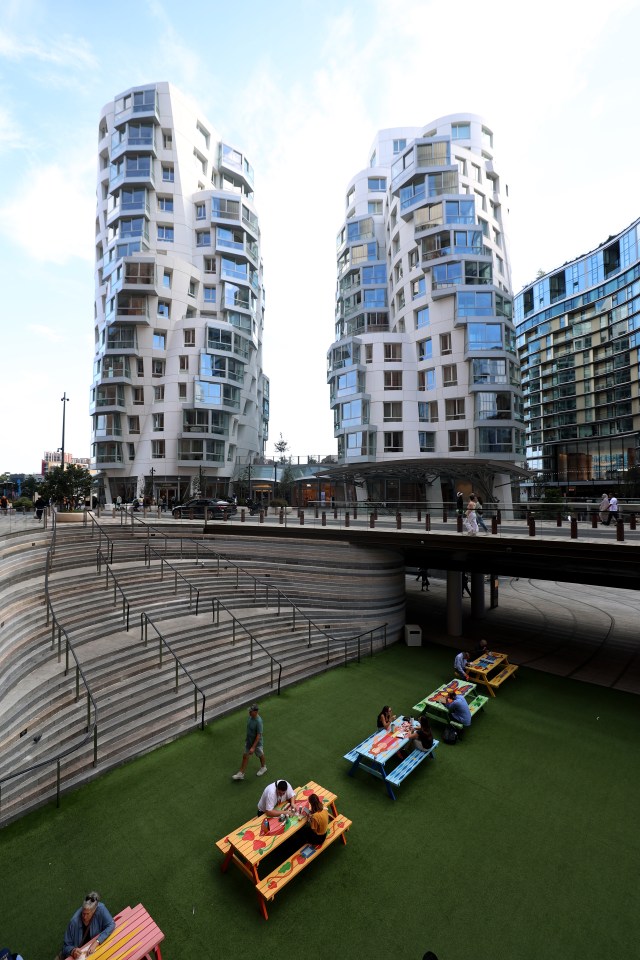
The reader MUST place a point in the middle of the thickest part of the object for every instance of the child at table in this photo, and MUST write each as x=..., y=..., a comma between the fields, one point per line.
x=422, y=737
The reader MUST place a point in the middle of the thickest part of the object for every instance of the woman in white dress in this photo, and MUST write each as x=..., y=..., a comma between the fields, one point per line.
x=471, y=520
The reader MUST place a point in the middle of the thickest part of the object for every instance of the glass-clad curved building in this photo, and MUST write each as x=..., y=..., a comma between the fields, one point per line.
x=424, y=366
x=578, y=333
x=179, y=401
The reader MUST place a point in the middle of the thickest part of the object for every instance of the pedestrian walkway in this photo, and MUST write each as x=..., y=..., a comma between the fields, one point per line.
x=572, y=630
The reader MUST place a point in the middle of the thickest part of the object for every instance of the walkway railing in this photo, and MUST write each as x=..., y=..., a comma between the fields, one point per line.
x=145, y=621
x=216, y=604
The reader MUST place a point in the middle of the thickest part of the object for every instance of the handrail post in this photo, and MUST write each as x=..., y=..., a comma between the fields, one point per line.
x=58, y=782
x=88, y=711
x=95, y=744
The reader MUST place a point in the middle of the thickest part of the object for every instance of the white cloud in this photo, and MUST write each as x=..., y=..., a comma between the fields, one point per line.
x=63, y=51
x=44, y=333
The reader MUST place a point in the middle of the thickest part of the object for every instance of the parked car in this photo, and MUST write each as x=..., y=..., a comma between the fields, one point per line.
x=215, y=509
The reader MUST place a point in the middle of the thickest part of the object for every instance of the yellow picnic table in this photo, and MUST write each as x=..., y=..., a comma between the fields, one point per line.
x=483, y=670
x=248, y=846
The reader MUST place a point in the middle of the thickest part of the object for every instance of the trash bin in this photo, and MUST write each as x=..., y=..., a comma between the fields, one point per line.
x=413, y=635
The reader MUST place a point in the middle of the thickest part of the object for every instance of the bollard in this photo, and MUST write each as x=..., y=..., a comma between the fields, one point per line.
x=427, y=522
x=324, y=518
x=347, y=519
x=532, y=527
x=594, y=520
x=335, y=513
x=372, y=520
x=262, y=516
x=301, y=516
x=620, y=531
x=574, y=528
x=459, y=524
x=559, y=520
x=355, y=510
x=419, y=516
x=499, y=517
x=494, y=525
x=444, y=515
x=632, y=522
x=316, y=511
x=242, y=516
x=281, y=517
x=398, y=521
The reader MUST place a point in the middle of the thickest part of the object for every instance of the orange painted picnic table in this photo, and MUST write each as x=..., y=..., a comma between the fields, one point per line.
x=247, y=846
x=136, y=936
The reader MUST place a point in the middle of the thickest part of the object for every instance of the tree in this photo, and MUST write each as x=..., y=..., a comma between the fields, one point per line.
x=286, y=482
x=29, y=487
x=72, y=484
x=281, y=446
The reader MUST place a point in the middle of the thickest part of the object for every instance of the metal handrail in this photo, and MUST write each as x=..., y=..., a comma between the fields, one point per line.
x=145, y=620
x=234, y=621
x=116, y=586
x=148, y=550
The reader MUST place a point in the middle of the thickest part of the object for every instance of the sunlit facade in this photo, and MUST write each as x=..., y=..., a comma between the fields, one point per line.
x=424, y=364
x=179, y=401
x=578, y=336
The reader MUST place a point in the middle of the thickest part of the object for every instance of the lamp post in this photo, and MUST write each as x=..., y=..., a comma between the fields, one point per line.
x=152, y=474
x=65, y=400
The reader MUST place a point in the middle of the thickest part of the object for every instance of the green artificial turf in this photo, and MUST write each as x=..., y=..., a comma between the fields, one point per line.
x=520, y=842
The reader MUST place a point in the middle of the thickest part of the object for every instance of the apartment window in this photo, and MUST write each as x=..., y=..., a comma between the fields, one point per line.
x=165, y=233
x=201, y=211
x=377, y=184
x=393, y=380
x=210, y=265
x=138, y=395
x=157, y=368
x=425, y=349
x=445, y=344
x=159, y=340
x=158, y=393
x=460, y=131
x=374, y=206
x=458, y=440
x=392, y=411
x=189, y=338
x=210, y=294
x=454, y=409
x=399, y=145
x=418, y=287
x=450, y=375
x=400, y=301
x=167, y=140
x=163, y=308
x=428, y=411
x=158, y=421
x=427, y=441
x=166, y=279
x=422, y=318
x=132, y=451
x=372, y=159
x=392, y=352
x=165, y=204
x=157, y=449
x=203, y=238
x=184, y=362
x=193, y=288
x=393, y=441
x=414, y=258
x=477, y=173
x=368, y=353
x=140, y=367
x=487, y=138
x=427, y=379
x=134, y=424
x=168, y=173
x=182, y=391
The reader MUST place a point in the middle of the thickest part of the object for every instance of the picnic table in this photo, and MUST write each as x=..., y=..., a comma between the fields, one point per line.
x=248, y=846
x=374, y=753
x=483, y=670
x=434, y=704
x=136, y=937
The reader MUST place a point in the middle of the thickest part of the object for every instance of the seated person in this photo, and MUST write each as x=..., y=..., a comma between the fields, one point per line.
x=277, y=792
x=481, y=650
x=460, y=665
x=317, y=825
x=385, y=718
x=458, y=708
x=422, y=737
x=91, y=920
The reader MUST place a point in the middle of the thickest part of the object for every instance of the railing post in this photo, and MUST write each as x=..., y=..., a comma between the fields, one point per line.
x=494, y=524
x=574, y=528
x=88, y=708
x=355, y=509
x=347, y=519
x=398, y=521
x=458, y=524
x=620, y=531
x=532, y=526
x=57, y=783
x=427, y=522
x=324, y=518
x=372, y=520
x=95, y=744
x=444, y=514
x=419, y=515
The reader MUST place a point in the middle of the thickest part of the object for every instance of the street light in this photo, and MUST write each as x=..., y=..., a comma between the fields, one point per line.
x=65, y=400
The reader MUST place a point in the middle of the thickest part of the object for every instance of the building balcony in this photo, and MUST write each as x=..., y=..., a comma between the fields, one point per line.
x=133, y=144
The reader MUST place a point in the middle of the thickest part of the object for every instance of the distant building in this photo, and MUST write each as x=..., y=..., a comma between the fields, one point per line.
x=179, y=400
x=578, y=335
x=52, y=458
x=423, y=372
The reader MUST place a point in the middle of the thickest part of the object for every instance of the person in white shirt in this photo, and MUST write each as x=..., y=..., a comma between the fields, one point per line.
x=613, y=508
x=277, y=792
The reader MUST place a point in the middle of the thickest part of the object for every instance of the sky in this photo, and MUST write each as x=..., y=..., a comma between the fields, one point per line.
x=301, y=87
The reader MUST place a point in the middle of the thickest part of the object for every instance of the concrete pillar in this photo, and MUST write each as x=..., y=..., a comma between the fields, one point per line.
x=454, y=603
x=477, y=596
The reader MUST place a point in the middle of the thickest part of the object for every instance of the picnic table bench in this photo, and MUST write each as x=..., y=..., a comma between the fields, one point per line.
x=247, y=847
x=136, y=937
x=483, y=670
x=378, y=748
x=433, y=705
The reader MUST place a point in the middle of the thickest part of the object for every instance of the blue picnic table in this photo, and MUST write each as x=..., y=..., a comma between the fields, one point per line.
x=374, y=753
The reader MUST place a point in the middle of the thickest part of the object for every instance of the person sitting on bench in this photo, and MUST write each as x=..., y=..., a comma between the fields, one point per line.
x=317, y=824
x=277, y=792
x=458, y=708
x=91, y=920
x=481, y=650
x=460, y=665
x=385, y=718
x=422, y=737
